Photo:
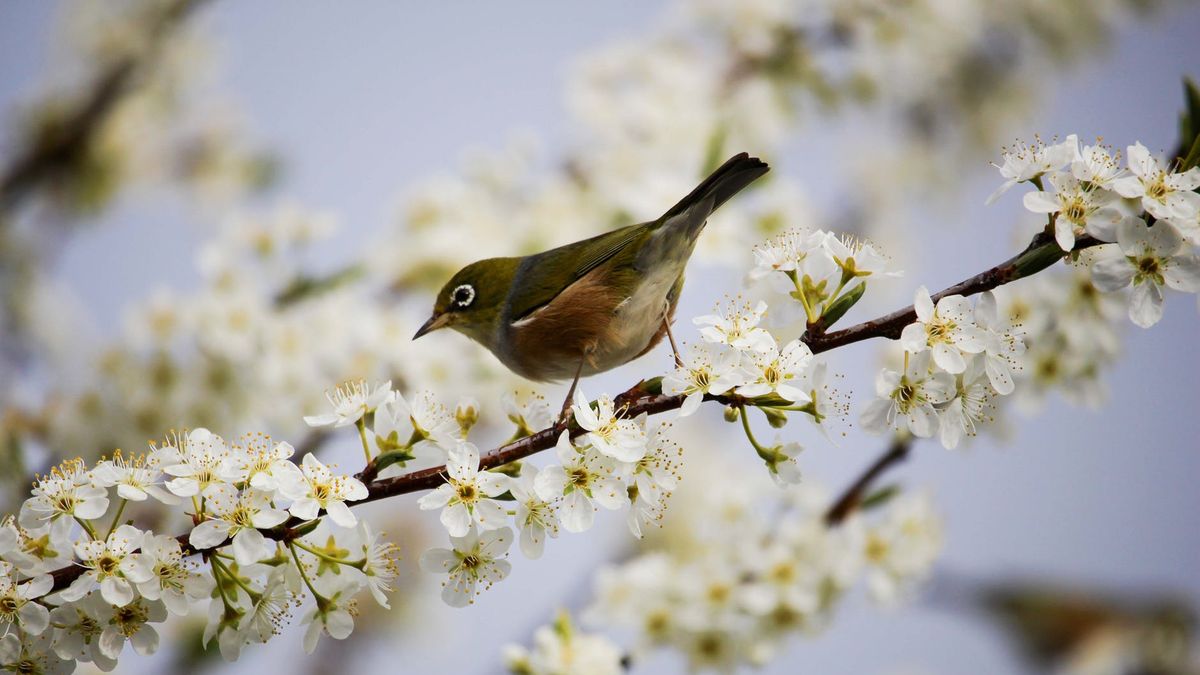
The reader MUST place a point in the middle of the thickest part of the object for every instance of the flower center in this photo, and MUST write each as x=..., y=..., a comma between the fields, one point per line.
x=772, y=375
x=877, y=549
x=130, y=618
x=107, y=564
x=1157, y=190
x=1075, y=211
x=467, y=492
x=578, y=477
x=8, y=605
x=939, y=331
x=1148, y=266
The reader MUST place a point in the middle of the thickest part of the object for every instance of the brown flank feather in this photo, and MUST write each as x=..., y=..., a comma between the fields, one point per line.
x=568, y=327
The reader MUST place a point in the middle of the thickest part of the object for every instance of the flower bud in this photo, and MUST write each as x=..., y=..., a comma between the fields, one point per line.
x=776, y=418
x=731, y=414
x=466, y=413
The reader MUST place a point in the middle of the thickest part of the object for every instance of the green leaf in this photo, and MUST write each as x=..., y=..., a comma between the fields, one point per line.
x=303, y=287
x=1189, y=126
x=843, y=304
x=391, y=457
x=879, y=497
x=652, y=386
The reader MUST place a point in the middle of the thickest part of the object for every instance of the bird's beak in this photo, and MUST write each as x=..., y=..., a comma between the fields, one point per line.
x=435, y=322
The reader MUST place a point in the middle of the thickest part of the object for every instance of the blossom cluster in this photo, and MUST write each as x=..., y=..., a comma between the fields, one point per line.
x=1155, y=230
x=256, y=518
x=957, y=359
x=616, y=463
x=744, y=583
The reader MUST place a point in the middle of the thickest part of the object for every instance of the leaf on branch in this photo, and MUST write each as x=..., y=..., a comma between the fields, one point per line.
x=879, y=497
x=843, y=304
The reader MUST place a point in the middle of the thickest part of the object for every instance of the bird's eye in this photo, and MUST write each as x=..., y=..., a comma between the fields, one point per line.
x=463, y=295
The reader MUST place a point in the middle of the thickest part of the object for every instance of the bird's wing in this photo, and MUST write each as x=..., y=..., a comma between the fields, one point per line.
x=547, y=274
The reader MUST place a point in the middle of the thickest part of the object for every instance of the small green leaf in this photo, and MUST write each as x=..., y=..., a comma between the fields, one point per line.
x=391, y=457
x=1189, y=126
x=879, y=497
x=652, y=386
x=843, y=304
x=1193, y=156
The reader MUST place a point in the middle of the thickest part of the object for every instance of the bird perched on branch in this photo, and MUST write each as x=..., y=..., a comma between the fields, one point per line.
x=590, y=306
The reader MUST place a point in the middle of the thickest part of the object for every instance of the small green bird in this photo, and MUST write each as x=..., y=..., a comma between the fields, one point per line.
x=590, y=306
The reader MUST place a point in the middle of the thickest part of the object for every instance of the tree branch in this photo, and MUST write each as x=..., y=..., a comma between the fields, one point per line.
x=853, y=496
x=50, y=153
x=1041, y=253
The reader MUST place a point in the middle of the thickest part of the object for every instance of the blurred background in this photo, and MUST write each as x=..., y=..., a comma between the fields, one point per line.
x=212, y=211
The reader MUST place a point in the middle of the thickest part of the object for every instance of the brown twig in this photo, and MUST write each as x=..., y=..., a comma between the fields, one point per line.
x=853, y=496
x=50, y=153
x=638, y=400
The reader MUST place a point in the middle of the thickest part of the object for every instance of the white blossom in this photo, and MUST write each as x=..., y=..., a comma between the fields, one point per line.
x=1164, y=194
x=900, y=550
x=706, y=369
x=17, y=601
x=536, y=518
x=172, y=579
x=611, y=434
x=68, y=490
x=778, y=371
x=581, y=479
x=1024, y=163
x=948, y=330
x=112, y=565
x=907, y=399
x=350, y=402
x=1149, y=258
x=737, y=326
x=465, y=497
x=1079, y=208
x=240, y=516
x=135, y=476
x=318, y=488
x=332, y=616
x=474, y=563
x=198, y=460
x=132, y=623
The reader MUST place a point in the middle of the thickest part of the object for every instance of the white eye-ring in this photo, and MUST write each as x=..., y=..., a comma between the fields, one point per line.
x=463, y=296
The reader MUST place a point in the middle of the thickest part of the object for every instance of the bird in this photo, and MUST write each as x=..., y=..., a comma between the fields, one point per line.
x=589, y=306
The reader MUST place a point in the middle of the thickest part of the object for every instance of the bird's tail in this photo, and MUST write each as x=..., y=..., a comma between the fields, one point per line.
x=729, y=179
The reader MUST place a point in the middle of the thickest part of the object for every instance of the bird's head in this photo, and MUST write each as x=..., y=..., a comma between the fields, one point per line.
x=473, y=300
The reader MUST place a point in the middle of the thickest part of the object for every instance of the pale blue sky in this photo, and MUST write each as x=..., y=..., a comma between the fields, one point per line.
x=365, y=101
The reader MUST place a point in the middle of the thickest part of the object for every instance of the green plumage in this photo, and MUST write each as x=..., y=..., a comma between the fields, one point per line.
x=590, y=305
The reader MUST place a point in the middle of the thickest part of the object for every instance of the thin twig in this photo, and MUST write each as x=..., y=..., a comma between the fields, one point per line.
x=62, y=149
x=853, y=496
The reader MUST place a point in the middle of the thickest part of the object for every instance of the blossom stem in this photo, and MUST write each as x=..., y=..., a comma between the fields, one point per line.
x=304, y=575
x=362, y=434
x=852, y=498
x=800, y=295
x=325, y=556
x=254, y=595
x=217, y=574
x=116, y=517
x=87, y=527
x=758, y=448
